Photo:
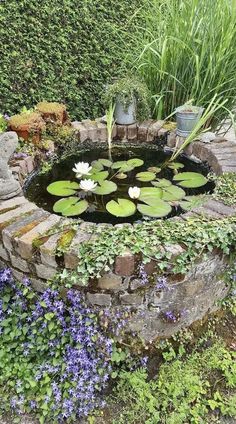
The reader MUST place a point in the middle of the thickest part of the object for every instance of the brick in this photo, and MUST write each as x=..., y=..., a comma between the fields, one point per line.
x=82, y=131
x=19, y=263
x=124, y=264
x=131, y=299
x=143, y=130
x=101, y=131
x=33, y=219
x=91, y=127
x=48, y=249
x=153, y=129
x=111, y=282
x=121, y=132
x=3, y=253
x=25, y=208
x=132, y=132
x=70, y=257
x=45, y=272
x=11, y=203
x=25, y=243
x=99, y=299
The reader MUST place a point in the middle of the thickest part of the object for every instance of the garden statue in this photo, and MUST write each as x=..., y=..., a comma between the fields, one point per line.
x=9, y=187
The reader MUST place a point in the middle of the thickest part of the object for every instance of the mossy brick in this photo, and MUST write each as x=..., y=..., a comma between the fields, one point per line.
x=45, y=272
x=9, y=232
x=25, y=243
x=121, y=132
x=48, y=250
x=101, y=131
x=15, y=213
x=12, y=203
x=71, y=259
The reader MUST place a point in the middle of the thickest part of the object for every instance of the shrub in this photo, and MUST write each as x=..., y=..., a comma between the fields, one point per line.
x=62, y=51
x=186, y=50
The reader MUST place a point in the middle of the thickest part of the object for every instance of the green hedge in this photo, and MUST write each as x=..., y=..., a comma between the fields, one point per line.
x=62, y=50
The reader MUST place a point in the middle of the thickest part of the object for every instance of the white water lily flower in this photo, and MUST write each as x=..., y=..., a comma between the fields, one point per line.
x=88, y=185
x=134, y=192
x=82, y=168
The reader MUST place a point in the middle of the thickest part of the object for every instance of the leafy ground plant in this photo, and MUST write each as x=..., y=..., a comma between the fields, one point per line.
x=185, y=390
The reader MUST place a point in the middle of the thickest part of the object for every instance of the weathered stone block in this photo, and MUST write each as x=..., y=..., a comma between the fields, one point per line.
x=71, y=257
x=29, y=162
x=82, y=131
x=125, y=264
x=131, y=299
x=153, y=129
x=132, y=132
x=25, y=208
x=91, y=127
x=99, y=299
x=111, y=282
x=135, y=284
x=45, y=272
x=25, y=243
x=3, y=253
x=171, y=140
x=220, y=208
x=19, y=263
x=143, y=130
x=12, y=203
x=121, y=132
x=38, y=285
x=101, y=131
x=18, y=275
x=48, y=249
x=11, y=230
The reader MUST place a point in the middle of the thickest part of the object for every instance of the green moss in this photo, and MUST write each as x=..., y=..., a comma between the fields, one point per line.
x=30, y=119
x=51, y=107
x=65, y=239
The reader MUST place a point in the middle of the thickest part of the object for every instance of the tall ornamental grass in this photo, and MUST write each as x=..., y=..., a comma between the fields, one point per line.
x=187, y=50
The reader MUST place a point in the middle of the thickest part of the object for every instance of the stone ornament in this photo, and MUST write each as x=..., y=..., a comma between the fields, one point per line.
x=9, y=187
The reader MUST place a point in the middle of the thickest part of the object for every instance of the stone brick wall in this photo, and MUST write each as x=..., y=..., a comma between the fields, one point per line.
x=189, y=297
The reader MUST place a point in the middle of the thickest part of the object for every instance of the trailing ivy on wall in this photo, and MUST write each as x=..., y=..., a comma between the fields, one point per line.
x=62, y=51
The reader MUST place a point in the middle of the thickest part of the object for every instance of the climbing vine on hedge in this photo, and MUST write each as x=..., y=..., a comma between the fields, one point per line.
x=62, y=51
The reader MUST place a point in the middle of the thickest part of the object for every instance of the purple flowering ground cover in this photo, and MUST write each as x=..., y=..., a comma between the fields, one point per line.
x=54, y=358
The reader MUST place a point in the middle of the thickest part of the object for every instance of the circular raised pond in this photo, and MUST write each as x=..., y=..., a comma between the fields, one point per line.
x=160, y=192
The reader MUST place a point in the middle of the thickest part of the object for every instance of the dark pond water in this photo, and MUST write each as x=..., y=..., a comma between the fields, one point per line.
x=36, y=185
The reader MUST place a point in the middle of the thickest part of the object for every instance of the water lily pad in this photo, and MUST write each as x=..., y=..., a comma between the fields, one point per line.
x=158, y=210
x=190, y=179
x=154, y=169
x=121, y=176
x=105, y=187
x=146, y=176
x=121, y=208
x=105, y=162
x=126, y=167
x=150, y=195
x=63, y=188
x=71, y=206
x=161, y=182
x=191, y=202
x=176, y=165
x=96, y=166
x=99, y=176
x=172, y=193
x=135, y=162
x=118, y=164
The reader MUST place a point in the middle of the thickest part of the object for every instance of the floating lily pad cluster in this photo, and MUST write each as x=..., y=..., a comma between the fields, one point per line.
x=102, y=178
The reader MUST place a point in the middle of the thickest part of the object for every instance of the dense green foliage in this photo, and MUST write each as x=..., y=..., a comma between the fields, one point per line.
x=198, y=236
x=62, y=51
x=226, y=188
x=186, y=50
x=184, y=391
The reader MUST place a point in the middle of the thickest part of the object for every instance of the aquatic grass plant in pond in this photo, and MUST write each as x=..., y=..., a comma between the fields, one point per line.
x=137, y=183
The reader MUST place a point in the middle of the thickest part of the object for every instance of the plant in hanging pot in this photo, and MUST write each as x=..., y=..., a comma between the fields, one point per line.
x=131, y=99
x=187, y=116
